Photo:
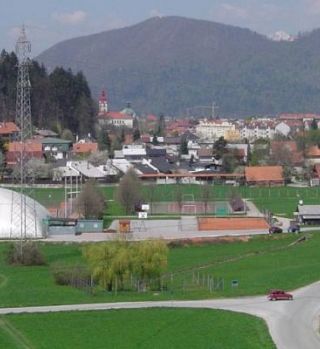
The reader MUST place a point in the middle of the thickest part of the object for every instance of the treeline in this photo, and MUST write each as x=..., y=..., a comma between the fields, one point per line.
x=60, y=100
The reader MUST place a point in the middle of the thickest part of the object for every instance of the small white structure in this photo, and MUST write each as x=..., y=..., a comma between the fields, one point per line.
x=10, y=227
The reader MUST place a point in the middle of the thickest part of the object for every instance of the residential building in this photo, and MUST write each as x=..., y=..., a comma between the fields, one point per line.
x=56, y=147
x=257, y=128
x=84, y=148
x=312, y=155
x=214, y=129
x=8, y=130
x=31, y=149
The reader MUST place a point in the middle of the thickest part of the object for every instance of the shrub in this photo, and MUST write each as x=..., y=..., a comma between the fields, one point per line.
x=71, y=275
x=25, y=253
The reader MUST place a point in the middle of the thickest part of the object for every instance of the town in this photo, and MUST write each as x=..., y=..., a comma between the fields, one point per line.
x=122, y=226
x=174, y=150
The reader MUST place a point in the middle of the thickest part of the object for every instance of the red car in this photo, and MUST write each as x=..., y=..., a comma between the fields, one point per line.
x=275, y=295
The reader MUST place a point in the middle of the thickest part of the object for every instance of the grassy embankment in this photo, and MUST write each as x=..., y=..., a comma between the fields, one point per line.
x=143, y=328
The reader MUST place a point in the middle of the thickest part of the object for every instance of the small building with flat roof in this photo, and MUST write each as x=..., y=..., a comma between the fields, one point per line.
x=308, y=214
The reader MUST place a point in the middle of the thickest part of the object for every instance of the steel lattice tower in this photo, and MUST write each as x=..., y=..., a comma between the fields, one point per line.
x=22, y=218
x=23, y=104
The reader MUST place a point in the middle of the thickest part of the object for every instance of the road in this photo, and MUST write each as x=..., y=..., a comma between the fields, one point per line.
x=292, y=324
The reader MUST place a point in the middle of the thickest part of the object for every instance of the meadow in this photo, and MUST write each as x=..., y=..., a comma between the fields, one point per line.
x=260, y=264
x=141, y=328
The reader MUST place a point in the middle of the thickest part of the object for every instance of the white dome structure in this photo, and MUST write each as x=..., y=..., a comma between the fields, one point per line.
x=10, y=216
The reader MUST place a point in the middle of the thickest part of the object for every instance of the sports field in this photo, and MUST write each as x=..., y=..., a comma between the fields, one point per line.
x=279, y=200
x=148, y=328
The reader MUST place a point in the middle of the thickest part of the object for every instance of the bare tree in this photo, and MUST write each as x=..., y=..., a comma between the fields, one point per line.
x=206, y=196
x=179, y=196
x=91, y=202
x=129, y=191
x=98, y=158
x=151, y=195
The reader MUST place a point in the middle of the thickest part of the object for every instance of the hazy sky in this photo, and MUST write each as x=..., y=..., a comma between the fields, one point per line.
x=51, y=21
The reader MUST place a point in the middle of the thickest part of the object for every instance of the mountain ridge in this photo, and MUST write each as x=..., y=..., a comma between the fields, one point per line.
x=169, y=64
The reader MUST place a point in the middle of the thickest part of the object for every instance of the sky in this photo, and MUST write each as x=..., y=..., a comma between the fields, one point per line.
x=50, y=21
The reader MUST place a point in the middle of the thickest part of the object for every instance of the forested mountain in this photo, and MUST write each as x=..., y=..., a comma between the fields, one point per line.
x=172, y=63
x=60, y=100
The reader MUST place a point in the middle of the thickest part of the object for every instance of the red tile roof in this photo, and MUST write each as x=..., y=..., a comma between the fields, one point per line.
x=264, y=174
x=313, y=152
x=298, y=116
x=7, y=128
x=28, y=147
x=118, y=116
x=151, y=118
x=84, y=148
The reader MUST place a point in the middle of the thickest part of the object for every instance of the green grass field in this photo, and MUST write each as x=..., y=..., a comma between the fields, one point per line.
x=147, y=328
x=279, y=200
x=258, y=265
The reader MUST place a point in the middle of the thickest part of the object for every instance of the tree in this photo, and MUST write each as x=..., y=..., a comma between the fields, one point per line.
x=39, y=168
x=112, y=263
x=67, y=135
x=184, y=146
x=151, y=195
x=91, y=202
x=122, y=136
x=104, y=141
x=100, y=258
x=229, y=162
x=98, y=158
x=219, y=147
x=149, y=261
x=136, y=134
x=161, y=126
x=155, y=140
x=206, y=195
x=128, y=193
x=282, y=156
x=179, y=196
x=314, y=124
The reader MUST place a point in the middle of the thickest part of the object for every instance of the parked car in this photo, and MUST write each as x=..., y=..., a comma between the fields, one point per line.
x=275, y=230
x=275, y=295
x=294, y=228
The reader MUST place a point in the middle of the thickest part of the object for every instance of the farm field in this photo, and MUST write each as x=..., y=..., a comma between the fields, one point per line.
x=147, y=328
x=260, y=264
x=279, y=200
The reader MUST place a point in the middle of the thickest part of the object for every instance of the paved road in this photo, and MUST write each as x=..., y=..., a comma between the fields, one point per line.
x=292, y=324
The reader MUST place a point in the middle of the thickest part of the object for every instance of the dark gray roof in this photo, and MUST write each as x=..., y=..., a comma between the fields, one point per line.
x=156, y=152
x=145, y=169
x=189, y=136
x=162, y=164
x=172, y=140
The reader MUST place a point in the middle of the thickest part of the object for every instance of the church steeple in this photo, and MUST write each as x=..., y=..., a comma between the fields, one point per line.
x=103, y=103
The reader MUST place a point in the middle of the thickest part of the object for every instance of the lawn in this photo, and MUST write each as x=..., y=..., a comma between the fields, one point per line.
x=279, y=200
x=141, y=328
x=258, y=265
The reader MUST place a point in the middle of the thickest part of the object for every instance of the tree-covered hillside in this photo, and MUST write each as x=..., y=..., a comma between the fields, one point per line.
x=170, y=64
x=60, y=100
